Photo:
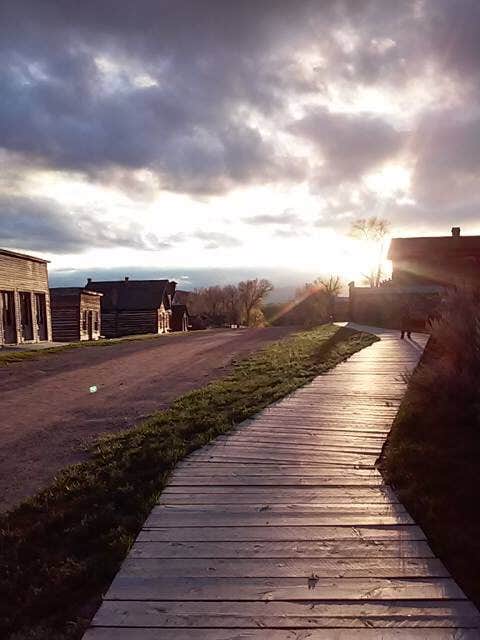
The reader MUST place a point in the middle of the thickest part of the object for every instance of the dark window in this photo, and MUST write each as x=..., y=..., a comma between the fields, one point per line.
x=84, y=321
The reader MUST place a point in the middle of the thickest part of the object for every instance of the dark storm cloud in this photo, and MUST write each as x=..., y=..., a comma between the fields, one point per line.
x=448, y=158
x=207, y=63
x=197, y=93
x=41, y=224
x=213, y=63
x=350, y=144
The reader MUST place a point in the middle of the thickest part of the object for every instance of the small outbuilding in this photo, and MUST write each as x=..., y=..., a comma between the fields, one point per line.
x=24, y=299
x=75, y=314
x=180, y=320
x=130, y=307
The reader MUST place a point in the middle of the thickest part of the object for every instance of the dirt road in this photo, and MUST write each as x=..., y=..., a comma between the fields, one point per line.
x=48, y=413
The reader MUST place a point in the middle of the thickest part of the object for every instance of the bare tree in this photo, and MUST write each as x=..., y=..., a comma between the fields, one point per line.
x=251, y=294
x=331, y=286
x=231, y=300
x=373, y=230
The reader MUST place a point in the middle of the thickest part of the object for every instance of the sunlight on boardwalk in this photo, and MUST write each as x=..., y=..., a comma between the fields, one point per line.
x=284, y=530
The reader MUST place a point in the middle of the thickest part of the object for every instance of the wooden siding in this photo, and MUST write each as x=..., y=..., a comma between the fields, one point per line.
x=125, y=323
x=68, y=319
x=65, y=324
x=90, y=303
x=21, y=275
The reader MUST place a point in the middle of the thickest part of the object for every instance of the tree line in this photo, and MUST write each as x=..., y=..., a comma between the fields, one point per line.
x=313, y=304
x=239, y=304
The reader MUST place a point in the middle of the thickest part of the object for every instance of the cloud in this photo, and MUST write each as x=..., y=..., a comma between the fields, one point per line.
x=216, y=240
x=285, y=217
x=72, y=96
x=41, y=224
x=350, y=145
x=206, y=98
x=447, y=169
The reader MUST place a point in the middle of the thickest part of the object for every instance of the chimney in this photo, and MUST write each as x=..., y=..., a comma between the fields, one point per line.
x=127, y=278
x=455, y=232
x=89, y=280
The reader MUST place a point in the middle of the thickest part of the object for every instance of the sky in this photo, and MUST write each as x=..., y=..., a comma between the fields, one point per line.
x=209, y=141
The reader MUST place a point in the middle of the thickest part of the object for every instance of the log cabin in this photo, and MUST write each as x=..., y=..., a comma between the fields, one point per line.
x=130, y=307
x=75, y=314
x=24, y=299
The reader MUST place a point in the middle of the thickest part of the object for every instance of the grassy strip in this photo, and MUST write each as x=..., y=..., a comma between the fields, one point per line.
x=432, y=459
x=61, y=549
x=10, y=357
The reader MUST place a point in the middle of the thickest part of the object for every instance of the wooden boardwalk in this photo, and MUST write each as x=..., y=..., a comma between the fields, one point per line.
x=284, y=530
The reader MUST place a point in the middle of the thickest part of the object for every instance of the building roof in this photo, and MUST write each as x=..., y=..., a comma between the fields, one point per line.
x=401, y=248
x=69, y=291
x=181, y=297
x=132, y=294
x=24, y=256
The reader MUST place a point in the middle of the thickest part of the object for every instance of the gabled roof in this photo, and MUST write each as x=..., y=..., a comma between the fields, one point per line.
x=181, y=297
x=434, y=246
x=24, y=256
x=70, y=291
x=131, y=294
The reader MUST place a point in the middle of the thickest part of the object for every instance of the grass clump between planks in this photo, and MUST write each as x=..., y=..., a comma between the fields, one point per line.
x=433, y=451
x=61, y=549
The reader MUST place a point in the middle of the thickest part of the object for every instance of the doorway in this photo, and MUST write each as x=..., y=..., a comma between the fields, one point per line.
x=90, y=325
x=7, y=304
x=41, y=311
x=26, y=315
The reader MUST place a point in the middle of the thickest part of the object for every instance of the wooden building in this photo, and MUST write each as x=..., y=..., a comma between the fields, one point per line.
x=180, y=319
x=75, y=314
x=130, y=307
x=24, y=299
x=423, y=269
x=442, y=261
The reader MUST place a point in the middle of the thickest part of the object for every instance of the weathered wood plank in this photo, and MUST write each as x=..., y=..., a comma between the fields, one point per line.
x=308, y=615
x=346, y=548
x=126, y=587
x=245, y=469
x=406, y=633
x=285, y=568
x=296, y=509
x=266, y=517
x=259, y=500
x=232, y=534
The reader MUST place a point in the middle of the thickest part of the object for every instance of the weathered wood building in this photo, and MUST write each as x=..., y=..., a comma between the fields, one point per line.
x=130, y=307
x=75, y=314
x=180, y=318
x=24, y=299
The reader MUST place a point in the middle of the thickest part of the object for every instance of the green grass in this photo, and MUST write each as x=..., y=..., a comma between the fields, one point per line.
x=432, y=459
x=8, y=357
x=60, y=550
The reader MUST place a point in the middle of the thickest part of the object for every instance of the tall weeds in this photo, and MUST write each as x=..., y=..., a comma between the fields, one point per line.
x=451, y=372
